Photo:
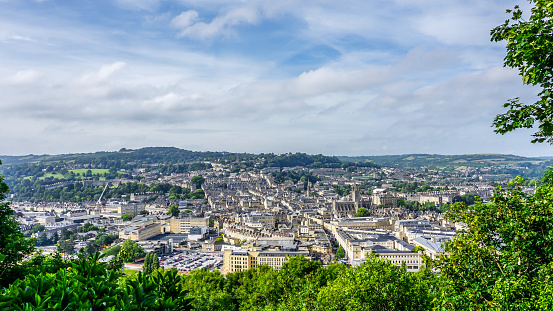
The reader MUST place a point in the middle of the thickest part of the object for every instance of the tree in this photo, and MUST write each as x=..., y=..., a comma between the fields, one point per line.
x=378, y=284
x=43, y=239
x=197, y=181
x=38, y=228
x=65, y=234
x=147, y=267
x=503, y=260
x=92, y=285
x=155, y=264
x=362, y=212
x=67, y=247
x=174, y=210
x=87, y=227
x=132, y=251
x=126, y=217
x=13, y=245
x=113, y=251
x=156, y=188
x=91, y=247
x=55, y=237
x=103, y=239
x=209, y=291
x=529, y=45
x=340, y=253
x=151, y=263
x=469, y=198
x=197, y=194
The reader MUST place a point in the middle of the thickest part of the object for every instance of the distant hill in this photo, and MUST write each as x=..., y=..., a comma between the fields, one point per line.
x=148, y=155
x=23, y=174
x=450, y=162
x=171, y=155
x=173, y=160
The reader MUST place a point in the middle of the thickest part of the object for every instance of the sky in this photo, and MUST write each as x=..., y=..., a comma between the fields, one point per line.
x=321, y=77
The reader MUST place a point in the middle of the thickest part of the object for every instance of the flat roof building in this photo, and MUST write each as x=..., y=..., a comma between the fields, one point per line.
x=240, y=260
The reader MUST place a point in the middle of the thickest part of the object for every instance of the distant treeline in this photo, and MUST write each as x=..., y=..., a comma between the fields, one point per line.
x=29, y=176
x=532, y=167
x=77, y=192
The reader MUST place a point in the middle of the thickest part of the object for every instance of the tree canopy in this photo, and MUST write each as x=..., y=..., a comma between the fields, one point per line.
x=503, y=259
x=131, y=250
x=362, y=212
x=13, y=245
x=529, y=46
x=151, y=263
x=126, y=217
x=174, y=210
x=91, y=285
x=197, y=181
x=340, y=253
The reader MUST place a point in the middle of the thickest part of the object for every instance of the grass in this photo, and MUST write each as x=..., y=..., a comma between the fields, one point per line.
x=130, y=272
x=80, y=171
x=459, y=161
x=56, y=175
x=93, y=170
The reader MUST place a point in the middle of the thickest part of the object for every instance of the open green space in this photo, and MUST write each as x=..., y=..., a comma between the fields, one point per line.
x=81, y=173
x=459, y=161
x=93, y=170
x=55, y=175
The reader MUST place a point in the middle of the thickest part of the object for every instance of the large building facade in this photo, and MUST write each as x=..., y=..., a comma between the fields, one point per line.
x=183, y=225
x=240, y=260
x=140, y=232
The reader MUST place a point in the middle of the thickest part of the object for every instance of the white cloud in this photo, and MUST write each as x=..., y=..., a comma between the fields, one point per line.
x=190, y=26
x=105, y=72
x=6, y=36
x=405, y=78
x=24, y=77
x=148, y=5
x=185, y=19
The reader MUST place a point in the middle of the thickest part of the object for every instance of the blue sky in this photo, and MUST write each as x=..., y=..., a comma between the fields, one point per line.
x=331, y=77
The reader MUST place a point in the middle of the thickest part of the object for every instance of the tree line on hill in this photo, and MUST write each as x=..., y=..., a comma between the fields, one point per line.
x=29, y=180
x=77, y=192
x=534, y=166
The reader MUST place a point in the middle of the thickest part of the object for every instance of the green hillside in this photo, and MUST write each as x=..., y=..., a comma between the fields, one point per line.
x=452, y=162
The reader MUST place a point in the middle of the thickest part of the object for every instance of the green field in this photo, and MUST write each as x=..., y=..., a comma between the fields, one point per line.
x=459, y=161
x=56, y=175
x=80, y=171
x=93, y=170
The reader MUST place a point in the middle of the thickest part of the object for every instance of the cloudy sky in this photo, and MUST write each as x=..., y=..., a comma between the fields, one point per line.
x=331, y=77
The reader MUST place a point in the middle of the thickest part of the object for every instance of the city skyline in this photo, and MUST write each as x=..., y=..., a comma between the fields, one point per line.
x=349, y=78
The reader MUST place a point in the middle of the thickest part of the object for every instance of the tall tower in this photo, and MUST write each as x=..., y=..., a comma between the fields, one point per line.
x=356, y=196
x=356, y=199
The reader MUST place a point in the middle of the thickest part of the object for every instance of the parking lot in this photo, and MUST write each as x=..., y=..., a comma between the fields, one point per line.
x=185, y=261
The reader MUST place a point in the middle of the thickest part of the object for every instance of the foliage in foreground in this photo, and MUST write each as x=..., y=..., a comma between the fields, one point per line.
x=503, y=260
x=302, y=284
x=90, y=285
x=13, y=245
x=529, y=44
